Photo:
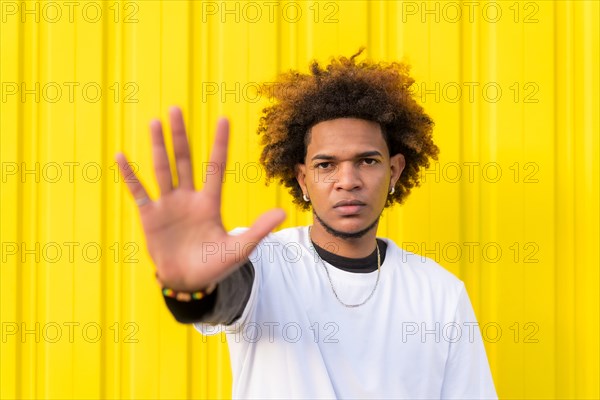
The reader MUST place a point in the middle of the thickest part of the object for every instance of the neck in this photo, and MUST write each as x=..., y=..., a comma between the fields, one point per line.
x=357, y=247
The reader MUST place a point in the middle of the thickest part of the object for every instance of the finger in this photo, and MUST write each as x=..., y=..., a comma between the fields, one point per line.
x=136, y=189
x=162, y=168
x=181, y=148
x=218, y=160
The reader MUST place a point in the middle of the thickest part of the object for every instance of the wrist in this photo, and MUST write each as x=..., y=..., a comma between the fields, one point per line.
x=187, y=296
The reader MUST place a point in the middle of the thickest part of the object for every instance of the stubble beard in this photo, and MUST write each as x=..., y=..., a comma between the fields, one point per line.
x=347, y=235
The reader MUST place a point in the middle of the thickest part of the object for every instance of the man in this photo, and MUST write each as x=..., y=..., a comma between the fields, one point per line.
x=329, y=310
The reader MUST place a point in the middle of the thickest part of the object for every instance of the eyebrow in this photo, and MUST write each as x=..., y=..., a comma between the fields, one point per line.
x=359, y=155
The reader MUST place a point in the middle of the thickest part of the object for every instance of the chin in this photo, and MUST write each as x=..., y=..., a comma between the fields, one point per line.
x=352, y=223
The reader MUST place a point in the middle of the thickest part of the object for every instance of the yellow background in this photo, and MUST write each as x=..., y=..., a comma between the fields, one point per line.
x=512, y=87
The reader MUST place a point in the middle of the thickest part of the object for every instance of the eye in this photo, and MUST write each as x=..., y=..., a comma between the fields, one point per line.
x=374, y=161
x=322, y=164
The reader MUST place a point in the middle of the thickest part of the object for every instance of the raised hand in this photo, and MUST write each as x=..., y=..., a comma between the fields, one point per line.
x=184, y=231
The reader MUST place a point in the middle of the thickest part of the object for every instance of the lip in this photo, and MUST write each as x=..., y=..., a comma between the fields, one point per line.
x=342, y=203
x=350, y=209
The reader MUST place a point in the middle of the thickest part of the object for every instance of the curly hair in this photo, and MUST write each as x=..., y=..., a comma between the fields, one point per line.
x=378, y=92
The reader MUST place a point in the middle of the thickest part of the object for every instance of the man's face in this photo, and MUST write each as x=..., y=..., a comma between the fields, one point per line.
x=348, y=159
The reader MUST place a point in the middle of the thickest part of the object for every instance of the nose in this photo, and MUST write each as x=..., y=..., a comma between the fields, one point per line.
x=347, y=177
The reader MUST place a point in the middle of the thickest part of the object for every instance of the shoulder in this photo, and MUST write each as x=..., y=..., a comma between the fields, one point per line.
x=422, y=269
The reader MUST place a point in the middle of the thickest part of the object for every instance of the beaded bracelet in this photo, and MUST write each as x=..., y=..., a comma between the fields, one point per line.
x=186, y=296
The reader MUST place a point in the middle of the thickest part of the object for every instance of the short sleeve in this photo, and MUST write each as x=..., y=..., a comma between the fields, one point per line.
x=467, y=374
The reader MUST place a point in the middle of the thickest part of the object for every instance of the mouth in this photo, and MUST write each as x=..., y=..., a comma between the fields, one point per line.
x=349, y=209
x=351, y=202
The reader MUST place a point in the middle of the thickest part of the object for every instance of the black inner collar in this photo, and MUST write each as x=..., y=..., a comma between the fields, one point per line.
x=360, y=265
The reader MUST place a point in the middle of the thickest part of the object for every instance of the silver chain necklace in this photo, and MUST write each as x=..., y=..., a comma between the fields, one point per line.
x=331, y=282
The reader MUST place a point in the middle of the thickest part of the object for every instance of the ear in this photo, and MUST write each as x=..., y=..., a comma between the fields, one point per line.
x=397, y=164
x=301, y=175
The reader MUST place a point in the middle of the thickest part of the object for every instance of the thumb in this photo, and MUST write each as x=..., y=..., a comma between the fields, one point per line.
x=264, y=224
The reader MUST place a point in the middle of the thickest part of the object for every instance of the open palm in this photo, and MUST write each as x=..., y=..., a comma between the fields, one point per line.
x=184, y=231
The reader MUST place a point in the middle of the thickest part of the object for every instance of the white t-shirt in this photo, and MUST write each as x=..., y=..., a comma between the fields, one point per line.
x=416, y=338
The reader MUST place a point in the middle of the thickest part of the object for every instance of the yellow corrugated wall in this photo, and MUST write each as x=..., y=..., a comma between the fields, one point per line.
x=511, y=208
